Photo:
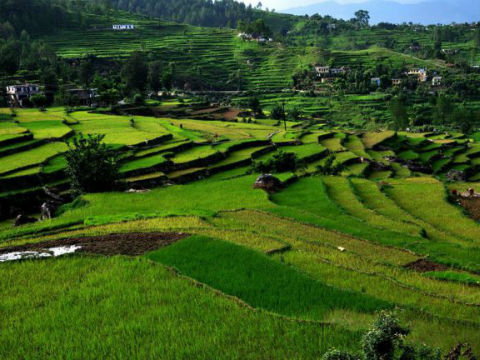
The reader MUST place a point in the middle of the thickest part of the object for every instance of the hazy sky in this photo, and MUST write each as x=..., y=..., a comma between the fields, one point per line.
x=288, y=4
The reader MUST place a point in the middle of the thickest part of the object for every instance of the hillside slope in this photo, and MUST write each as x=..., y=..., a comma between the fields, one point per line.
x=211, y=58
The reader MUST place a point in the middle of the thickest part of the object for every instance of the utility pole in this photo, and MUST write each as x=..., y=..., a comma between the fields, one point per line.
x=284, y=115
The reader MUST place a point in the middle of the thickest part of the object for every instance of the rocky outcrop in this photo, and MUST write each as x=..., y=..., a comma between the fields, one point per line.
x=268, y=183
x=23, y=220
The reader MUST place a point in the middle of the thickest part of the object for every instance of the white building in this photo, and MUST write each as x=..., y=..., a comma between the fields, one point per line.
x=339, y=71
x=322, y=70
x=396, y=82
x=18, y=93
x=376, y=81
x=437, y=81
x=123, y=27
x=421, y=74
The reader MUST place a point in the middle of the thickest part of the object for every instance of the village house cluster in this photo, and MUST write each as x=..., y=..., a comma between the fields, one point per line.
x=418, y=74
x=327, y=74
x=18, y=95
x=123, y=27
x=84, y=97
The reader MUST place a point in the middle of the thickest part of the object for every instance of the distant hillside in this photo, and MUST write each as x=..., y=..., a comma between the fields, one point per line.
x=225, y=13
x=204, y=58
x=45, y=16
x=427, y=12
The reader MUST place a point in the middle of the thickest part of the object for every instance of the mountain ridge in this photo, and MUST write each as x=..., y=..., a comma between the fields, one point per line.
x=426, y=12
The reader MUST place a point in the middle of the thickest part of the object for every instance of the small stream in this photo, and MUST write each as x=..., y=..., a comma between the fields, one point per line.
x=44, y=253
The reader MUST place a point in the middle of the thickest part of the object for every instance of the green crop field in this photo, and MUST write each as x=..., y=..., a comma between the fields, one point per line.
x=332, y=250
x=370, y=203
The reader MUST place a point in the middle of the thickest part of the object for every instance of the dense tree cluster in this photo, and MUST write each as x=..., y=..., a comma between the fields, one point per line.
x=256, y=28
x=34, y=16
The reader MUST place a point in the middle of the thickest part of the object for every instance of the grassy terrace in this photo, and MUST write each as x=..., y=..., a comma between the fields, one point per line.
x=218, y=56
x=328, y=249
x=210, y=53
x=131, y=290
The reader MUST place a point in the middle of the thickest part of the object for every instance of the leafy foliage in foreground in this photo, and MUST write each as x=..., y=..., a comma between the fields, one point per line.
x=385, y=341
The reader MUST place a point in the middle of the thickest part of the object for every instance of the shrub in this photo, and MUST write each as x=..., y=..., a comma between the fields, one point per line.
x=339, y=355
x=280, y=162
x=330, y=168
x=386, y=335
x=278, y=113
x=295, y=114
x=91, y=165
x=138, y=99
x=254, y=105
x=385, y=341
x=39, y=100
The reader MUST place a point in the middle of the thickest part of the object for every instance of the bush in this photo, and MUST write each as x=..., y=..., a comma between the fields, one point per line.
x=138, y=99
x=386, y=335
x=385, y=341
x=280, y=162
x=295, y=114
x=339, y=355
x=254, y=105
x=278, y=113
x=39, y=100
x=329, y=168
x=91, y=165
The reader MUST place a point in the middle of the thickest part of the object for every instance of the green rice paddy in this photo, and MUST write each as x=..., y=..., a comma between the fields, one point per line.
x=287, y=275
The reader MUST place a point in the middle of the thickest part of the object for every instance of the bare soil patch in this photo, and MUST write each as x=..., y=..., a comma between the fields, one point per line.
x=231, y=115
x=113, y=244
x=472, y=205
x=205, y=111
x=424, y=265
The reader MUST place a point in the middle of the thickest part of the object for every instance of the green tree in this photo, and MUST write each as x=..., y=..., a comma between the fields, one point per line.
x=254, y=104
x=295, y=113
x=443, y=109
x=49, y=80
x=399, y=113
x=86, y=71
x=278, y=112
x=154, y=76
x=92, y=166
x=362, y=17
x=39, y=100
x=476, y=38
x=279, y=163
x=135, y=72
x=109, y=96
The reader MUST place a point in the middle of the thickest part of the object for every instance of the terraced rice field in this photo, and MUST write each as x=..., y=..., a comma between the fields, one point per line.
x=207, y=54
x=298, y=271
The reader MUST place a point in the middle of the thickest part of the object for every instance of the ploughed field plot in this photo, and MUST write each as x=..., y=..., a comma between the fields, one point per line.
x=243, y=268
